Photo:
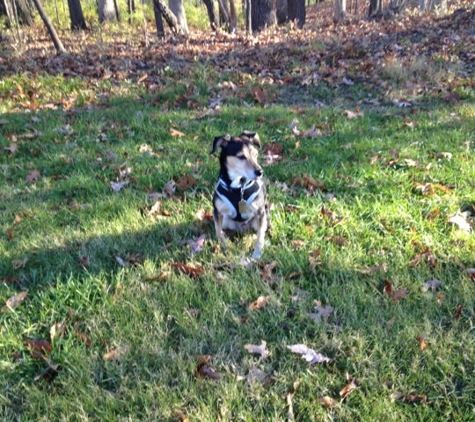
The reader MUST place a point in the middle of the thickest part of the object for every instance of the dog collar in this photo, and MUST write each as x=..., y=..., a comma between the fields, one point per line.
x=234, y=197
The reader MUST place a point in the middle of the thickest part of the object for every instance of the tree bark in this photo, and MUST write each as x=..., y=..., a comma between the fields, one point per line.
x=339, y=10
x=169, y=17
x=296, y=12
x=262, y=14
x=50, y=28
x=177, y=8
x=232, y=16
x=282, y=11
x=76, y=15
x=249, y=17
x=211, y=9
x=158, y=22
x=106, y=10
x=375, y=8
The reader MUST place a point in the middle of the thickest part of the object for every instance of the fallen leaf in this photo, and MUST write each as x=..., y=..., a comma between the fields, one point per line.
x=460, y=220
x=431, y=285
x=257, y=375
x=19, y=263
x=116, y=354
x=259, y=94
x=118, y=186
x=10, y=279
x=175, y=132
x=308, y=354
x=57, y=330
x=197, y=245
x=258, y=349
x=395, y=295
x=203, y=370
x=12, y=149
x=159, y=277
x=290, y=396
x=260, y=302
x=39, y=349
x=193, y=272
x=14, y=301
x=185, y=182
x=422, y=342
x=170, y=188
x=203, y=215
x=33, y=177
x=328, y=402
x=353, y=114
x=322, y=314
x=349, y=388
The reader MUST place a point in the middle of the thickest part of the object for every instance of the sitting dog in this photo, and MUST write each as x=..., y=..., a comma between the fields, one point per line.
x=239, y=201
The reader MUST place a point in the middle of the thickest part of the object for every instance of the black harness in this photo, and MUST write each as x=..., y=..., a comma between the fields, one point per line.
x=239, y=199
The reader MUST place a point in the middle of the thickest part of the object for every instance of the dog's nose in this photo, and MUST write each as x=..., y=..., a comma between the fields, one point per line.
x=258, y=172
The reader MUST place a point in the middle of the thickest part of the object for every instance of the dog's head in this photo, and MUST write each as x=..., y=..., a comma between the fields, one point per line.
x=238, y=156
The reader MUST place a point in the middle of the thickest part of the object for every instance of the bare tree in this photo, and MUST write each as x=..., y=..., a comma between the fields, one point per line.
x=177, y=8
x=211, y=9
x=76, y=15
x=167, y=14
x=50, y=28
x=339, y=10
x=106, y=10
x=262, y=14
x=296, y=12
x=375, y=8
x=158, y=21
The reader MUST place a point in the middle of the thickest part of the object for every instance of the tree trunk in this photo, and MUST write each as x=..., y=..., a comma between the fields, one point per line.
x=397, y=6
x=224, y=13
x=213, y=20
x=76, y=15
x=296, y=12
x=375, y=8
x=248, y=16
x=106, y=10
x=177, y=8
x=167, y=14
x=262, y=14
x=339, y=10
x=50, y=28
x=282, y=11
x=232, y=17
x=158, y=22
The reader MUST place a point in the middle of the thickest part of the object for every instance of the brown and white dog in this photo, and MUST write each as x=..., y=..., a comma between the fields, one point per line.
x=239, y=201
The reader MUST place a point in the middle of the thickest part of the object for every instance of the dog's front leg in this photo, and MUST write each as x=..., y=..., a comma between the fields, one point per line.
x=218, y=226
x=261, y=233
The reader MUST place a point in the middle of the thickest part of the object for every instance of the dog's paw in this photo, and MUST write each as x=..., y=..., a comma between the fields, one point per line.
x=257, y=254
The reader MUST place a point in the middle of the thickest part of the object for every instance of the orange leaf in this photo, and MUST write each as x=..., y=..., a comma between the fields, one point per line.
x=260, y=302
x=175, y=132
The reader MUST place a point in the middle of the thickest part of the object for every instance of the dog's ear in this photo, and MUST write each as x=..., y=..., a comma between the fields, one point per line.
x=252, y=137
x=219, y=142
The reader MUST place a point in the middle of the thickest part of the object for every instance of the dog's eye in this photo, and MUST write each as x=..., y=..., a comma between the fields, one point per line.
x=241, y=156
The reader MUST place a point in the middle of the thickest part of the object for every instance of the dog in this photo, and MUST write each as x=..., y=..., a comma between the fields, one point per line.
x=239, y=200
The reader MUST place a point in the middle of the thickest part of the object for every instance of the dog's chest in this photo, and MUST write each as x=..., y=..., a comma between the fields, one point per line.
x=237, y=204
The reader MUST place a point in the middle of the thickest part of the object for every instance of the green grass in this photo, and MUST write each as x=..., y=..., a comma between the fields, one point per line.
x=72, y=227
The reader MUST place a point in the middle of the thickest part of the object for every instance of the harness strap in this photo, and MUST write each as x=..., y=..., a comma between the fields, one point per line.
x=223, y=190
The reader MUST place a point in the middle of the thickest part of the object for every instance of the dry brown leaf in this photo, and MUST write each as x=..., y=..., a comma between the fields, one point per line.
x=39, y=349
x=328, y=402
x=19, y=263
x=116, y=354
x=14, y=301
x=258, y=349
x=175, y=132
x=422, y=342
x=260, y=302
x=203, y=370
x=353, y=114
x=349, y=388
x=33, y=177
x=193, y=272
x=259, y=94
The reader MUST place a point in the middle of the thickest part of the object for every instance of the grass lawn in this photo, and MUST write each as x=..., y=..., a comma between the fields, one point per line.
x=111, y=309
